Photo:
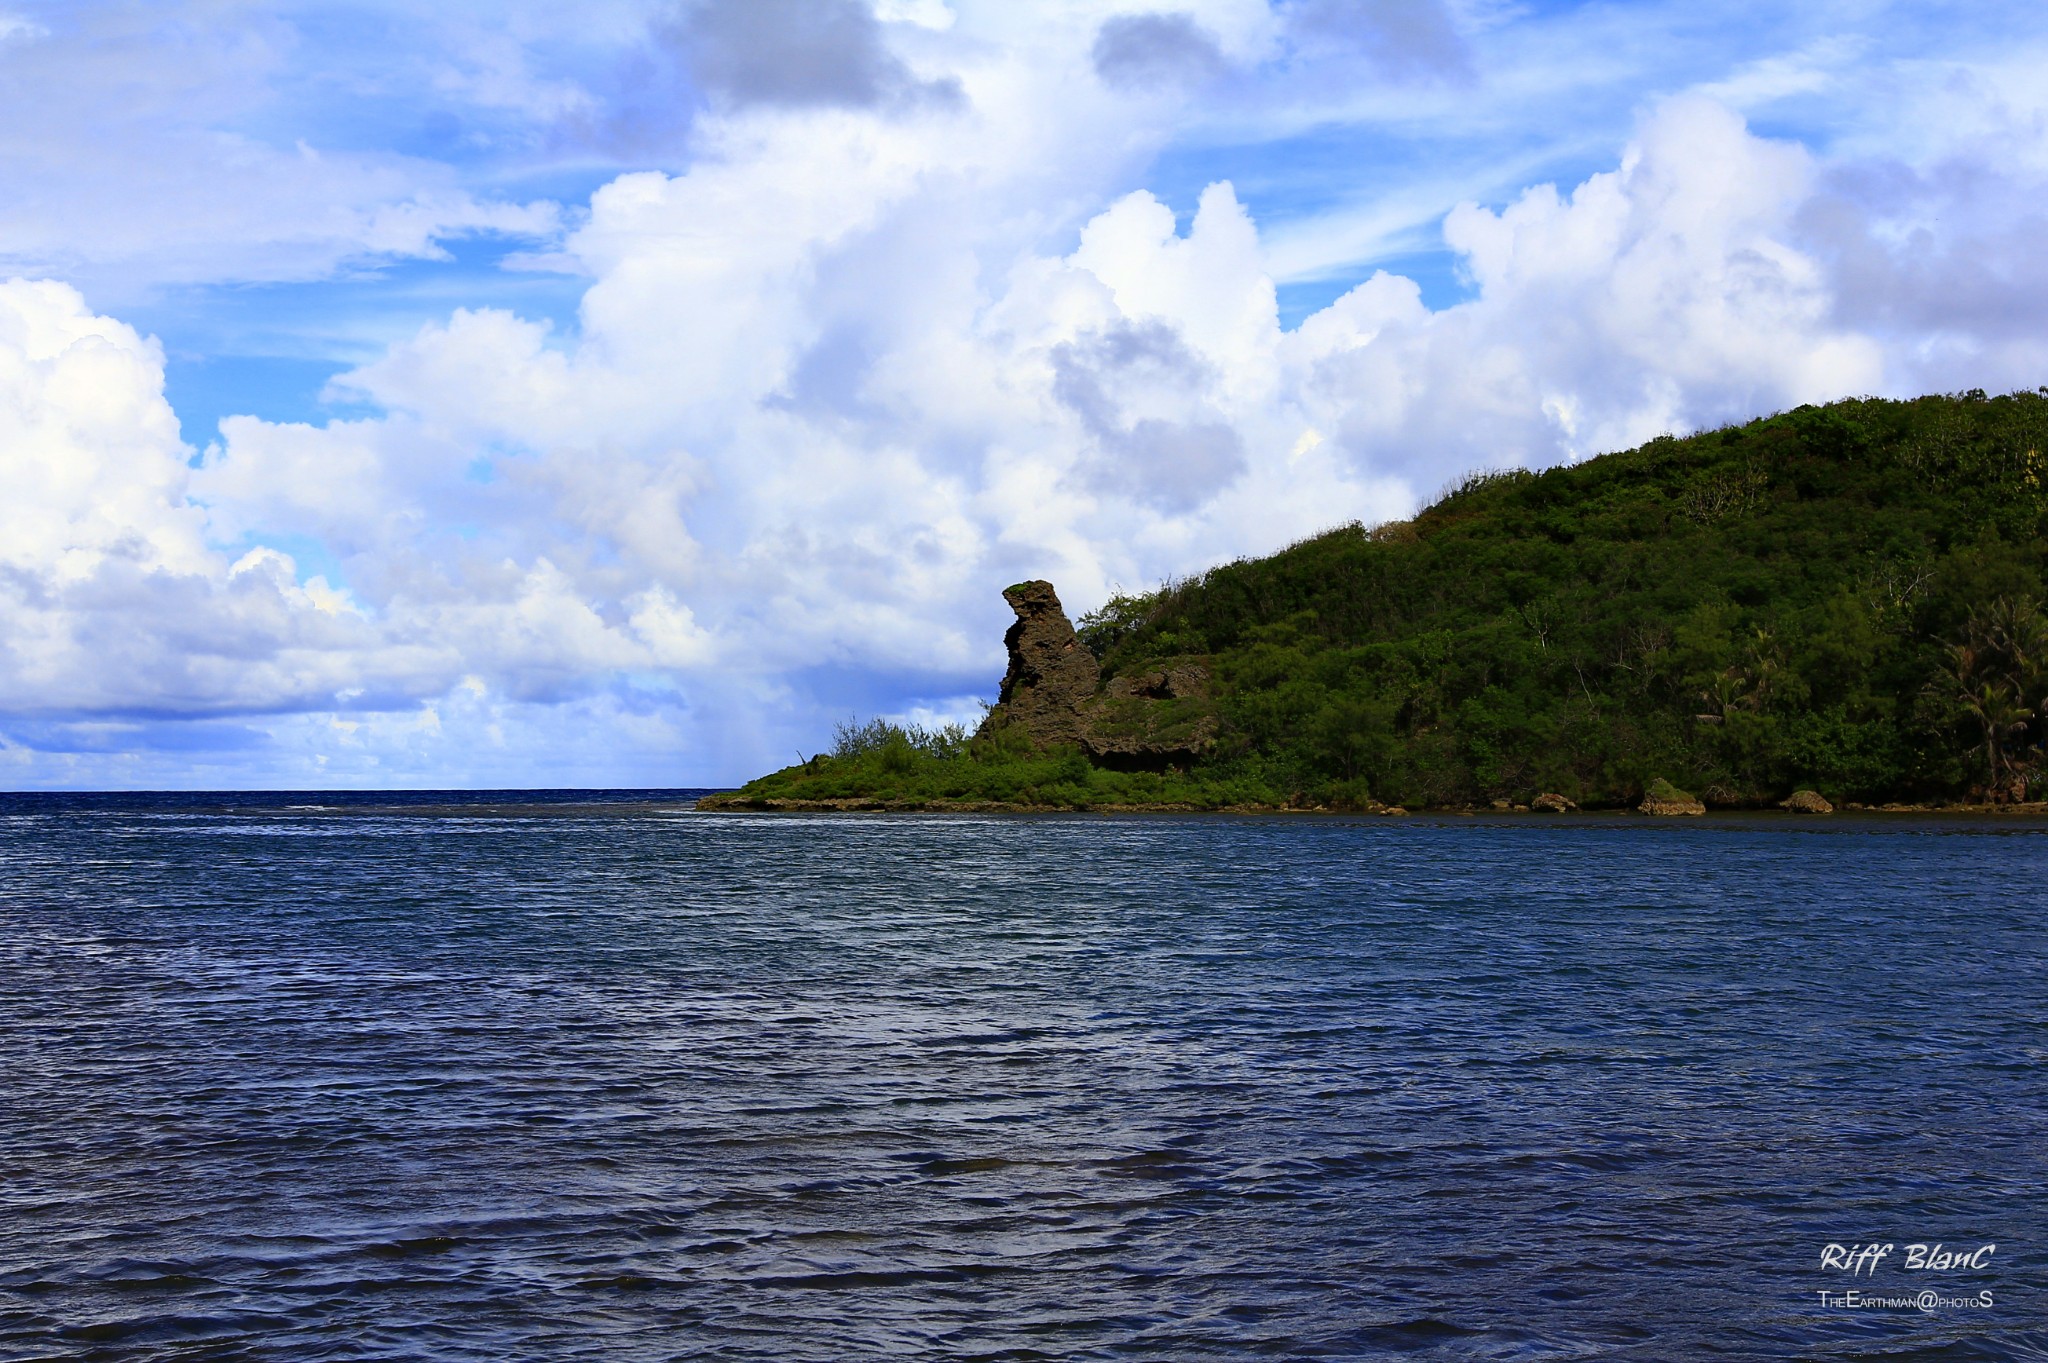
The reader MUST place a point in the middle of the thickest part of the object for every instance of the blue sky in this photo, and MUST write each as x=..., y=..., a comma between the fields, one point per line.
x=623, y=394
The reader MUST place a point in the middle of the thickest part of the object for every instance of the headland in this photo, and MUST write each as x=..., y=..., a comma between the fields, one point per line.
x=1834, y=607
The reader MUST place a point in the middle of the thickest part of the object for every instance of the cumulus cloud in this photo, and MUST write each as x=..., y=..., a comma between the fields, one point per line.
x=94, y=464
x=1173, y=460
x=111, y=596
x=125, y=608
x=728, y=464
x=1937, y=255
x=1661, y=296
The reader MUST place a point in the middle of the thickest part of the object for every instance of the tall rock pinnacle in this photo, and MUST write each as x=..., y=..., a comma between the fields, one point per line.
x=1051, y=675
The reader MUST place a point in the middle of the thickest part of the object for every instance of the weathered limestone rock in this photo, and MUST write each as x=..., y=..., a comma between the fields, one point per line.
x=1051, y=676
x=1152, y=719
x=1144, y=734
x=1806, y=802
x=1052, y=693
x=1187, y=682
x=1665, y=799
x=1551, y=803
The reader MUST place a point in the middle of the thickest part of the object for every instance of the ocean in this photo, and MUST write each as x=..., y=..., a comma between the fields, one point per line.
x=587, y=1075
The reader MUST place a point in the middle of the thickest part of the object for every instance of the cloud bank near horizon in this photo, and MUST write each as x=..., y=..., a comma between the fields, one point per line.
x=906, y=327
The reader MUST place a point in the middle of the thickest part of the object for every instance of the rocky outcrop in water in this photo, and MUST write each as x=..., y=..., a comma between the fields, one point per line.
x=1053, y=694
x=1806, y=802
x=1552, y=803
x=1666, y=800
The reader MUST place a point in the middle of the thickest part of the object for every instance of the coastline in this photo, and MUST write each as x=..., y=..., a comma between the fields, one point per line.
x=1614, y=633
x=736, y=803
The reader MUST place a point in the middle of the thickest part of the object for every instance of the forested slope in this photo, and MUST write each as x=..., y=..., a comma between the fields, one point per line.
x=1845, y=597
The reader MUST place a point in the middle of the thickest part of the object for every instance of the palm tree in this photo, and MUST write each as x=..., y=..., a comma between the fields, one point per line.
x=1764, y=665
x=2008, y=640
x=1999, y=714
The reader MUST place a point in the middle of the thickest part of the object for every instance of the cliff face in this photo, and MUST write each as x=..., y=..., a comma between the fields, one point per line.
x=1052, y=692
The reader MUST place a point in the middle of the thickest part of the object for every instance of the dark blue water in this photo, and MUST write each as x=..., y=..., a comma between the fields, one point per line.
x=523, y=1079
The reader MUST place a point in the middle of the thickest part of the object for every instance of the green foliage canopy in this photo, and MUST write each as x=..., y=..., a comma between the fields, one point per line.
x=1847, y=598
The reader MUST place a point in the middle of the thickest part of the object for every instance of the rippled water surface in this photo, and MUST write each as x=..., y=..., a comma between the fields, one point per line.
x=535, y=1079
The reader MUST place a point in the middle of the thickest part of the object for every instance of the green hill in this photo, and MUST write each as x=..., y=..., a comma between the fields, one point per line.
x=1847, y=598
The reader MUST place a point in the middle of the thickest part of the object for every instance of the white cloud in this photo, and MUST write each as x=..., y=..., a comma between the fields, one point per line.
x=122, y=609
x=94, y=466
x=740, y=457
x=1661, y=296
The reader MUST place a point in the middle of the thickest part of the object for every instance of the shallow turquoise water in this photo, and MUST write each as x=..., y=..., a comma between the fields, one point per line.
x=614, y=1080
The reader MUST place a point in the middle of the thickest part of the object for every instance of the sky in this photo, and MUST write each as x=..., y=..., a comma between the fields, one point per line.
x=626, y=393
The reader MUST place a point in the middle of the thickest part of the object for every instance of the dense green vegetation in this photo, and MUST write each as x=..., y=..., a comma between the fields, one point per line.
x=1845, y=597
x=879, y=760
